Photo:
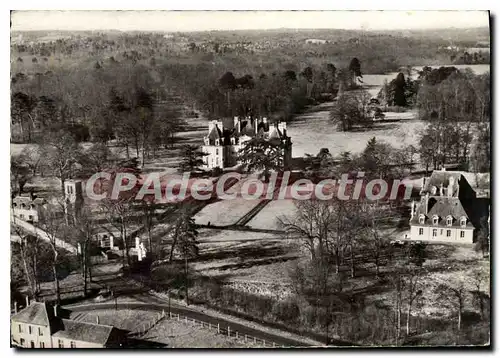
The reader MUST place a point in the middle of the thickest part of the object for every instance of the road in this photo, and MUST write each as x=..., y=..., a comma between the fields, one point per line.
x=184, y=311
x=36, y=231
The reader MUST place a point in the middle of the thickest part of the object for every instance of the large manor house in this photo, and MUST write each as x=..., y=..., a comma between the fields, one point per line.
x=227, y=137
x=449, y=210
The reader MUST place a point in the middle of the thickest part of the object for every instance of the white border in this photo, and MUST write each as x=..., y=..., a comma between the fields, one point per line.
x=193, y=5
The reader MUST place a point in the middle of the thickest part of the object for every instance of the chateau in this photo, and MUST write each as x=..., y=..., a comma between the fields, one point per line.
x=448, y=210
x=227, y=137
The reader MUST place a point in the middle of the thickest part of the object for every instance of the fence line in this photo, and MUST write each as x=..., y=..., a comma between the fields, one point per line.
x=220, y=330
x=147, y=326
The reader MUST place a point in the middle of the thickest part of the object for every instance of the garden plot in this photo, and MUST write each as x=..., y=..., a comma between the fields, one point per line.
x=224, y=212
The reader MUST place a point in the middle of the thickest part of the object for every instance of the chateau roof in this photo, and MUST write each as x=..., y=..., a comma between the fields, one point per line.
x=440, y=178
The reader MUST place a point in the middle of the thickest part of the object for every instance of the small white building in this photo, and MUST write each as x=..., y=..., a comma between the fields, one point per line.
x=28, y=207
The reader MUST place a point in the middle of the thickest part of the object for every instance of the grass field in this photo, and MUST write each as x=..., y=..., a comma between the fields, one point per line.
x=267, y=218
x=314, y=130
x=243, y=255
x=191, y=335
x=224, y=212
x=129, y=320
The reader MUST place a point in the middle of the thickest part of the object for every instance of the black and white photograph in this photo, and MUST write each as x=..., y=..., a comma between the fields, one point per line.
x=250, y=179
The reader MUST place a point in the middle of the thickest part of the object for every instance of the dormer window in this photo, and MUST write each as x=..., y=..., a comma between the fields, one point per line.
x=207, y=141
x=216, y=142
x=435, y=219
x=463, y=221
x=23, y=205
x=449, y=220
x=421, y=219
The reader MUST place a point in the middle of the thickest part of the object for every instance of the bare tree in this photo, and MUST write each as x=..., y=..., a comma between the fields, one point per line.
x=63, y=154
x=28, y=250
x=413, y=287
x=52, y=223
x=480, y=278
x=84, y=231
x=372, y=238
x=118, y=213
x=454, y=292
x=311, y=223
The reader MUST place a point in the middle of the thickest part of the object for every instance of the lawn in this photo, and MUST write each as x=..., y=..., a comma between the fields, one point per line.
x=314, y=130
x=224, y=212
x=245, y=256
x=267, y=218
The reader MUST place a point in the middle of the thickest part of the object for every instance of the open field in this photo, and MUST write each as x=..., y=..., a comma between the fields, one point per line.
x=267, y=218
x=244, y=255
x=314, y=130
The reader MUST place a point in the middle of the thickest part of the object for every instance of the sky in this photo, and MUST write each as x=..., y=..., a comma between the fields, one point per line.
x=241, y=20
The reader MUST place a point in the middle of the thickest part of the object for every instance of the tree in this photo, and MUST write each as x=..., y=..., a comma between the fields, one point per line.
x=311, y=223
x=290, y=75
x=307, y=73
x=321, y=165
x=375, y=159
x=191, y=159
x=29, y=251
x=184, y=235
x=399, y=90
x=351, y=109
x=22, y=106
x=63, y=154
x=483, y=237
x=414, y=289
x=315, y=282
x=96, y=158
x=53, y=225
x=453, y=292
x=20, y=173
x=84, y=230
x=373, y=240
x=355, y=70
x=261, y=154
x=118, y=213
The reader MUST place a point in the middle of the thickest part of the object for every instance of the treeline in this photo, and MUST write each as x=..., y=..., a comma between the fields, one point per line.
x=457, y=106
x=106, y=100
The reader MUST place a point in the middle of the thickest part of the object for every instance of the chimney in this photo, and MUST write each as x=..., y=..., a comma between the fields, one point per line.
x=27, y=301
x=426, y=203
x=441, y=190
x=412, y=212
x=97, y=319
x=15, y=302
x=55, y=310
